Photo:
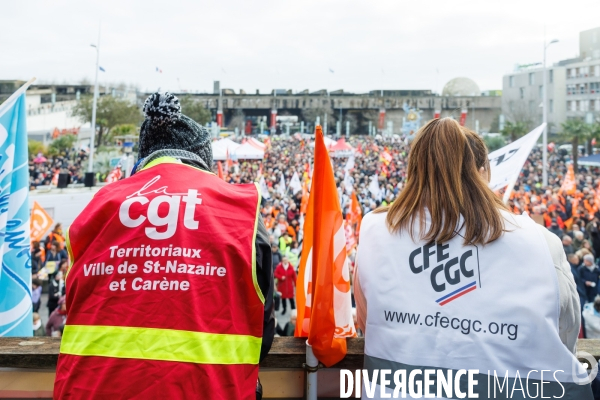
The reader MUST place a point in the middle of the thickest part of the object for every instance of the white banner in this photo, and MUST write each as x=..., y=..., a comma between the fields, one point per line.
x=506, y=163
x=295, y=184
x=264, y=189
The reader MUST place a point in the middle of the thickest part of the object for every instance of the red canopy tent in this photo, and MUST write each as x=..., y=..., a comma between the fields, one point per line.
x=341, y=145
x=341, y=149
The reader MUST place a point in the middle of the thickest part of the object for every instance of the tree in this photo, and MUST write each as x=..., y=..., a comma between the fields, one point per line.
x=594, y=133
x=576, y=131
x=62, y=144
x=494, y=142
x=194, y=109
x=110, y=112
x=515, y=130
x=34, y=147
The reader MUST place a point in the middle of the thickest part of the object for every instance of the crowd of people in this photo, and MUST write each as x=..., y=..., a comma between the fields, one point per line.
x=44, y=171
x=374, y=176
x=49, y=263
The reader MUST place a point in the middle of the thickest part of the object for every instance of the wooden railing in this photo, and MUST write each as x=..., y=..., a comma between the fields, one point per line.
x=27, y=367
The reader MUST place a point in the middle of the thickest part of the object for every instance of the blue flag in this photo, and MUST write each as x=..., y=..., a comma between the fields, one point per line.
x=15, y=269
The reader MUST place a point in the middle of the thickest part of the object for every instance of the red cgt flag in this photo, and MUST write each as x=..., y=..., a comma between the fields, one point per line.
x=323, y=294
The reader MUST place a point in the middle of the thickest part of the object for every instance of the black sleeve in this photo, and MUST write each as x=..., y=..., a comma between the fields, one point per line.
x=264, y=276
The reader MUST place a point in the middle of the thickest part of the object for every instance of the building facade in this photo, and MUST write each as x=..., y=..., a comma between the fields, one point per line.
x=573, y=88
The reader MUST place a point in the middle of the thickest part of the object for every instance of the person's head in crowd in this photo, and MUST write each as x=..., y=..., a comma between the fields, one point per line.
x=58, y=228
x=294, y=245
x=578, y=235
x=588, y=261
x=573, y=259
x=166, y=128
x=64, y=265
x=274, y=248
x=566, y=240
x=54, y=247
x=59, y=276
x=35, y=283
x=575, y=228
x=285, y=261
x=597, y=304
x=36, y=319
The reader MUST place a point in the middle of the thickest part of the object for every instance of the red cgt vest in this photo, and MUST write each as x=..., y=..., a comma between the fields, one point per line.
x=162, y=296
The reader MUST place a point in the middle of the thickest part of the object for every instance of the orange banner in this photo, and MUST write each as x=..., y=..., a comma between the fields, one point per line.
x=323, y=285
x=40, y=222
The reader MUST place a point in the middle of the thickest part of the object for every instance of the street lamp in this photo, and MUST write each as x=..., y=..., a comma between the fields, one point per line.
x=545, y=118
x=94, y=104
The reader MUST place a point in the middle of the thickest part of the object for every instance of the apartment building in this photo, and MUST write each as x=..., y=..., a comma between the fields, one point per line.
x=573, y=87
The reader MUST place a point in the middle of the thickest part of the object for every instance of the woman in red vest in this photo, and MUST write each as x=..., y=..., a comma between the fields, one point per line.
x=170, y=292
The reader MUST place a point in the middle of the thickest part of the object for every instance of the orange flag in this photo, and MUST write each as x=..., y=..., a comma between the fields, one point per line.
x=323, y=285
x=355, y=213
x=569, y=186
x=220, y=170
x=304, y=202
x=40, y=222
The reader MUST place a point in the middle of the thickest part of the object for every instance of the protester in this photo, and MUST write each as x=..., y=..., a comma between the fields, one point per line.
x=53, y=259
x=288, y=329
x=286, y=282
x=590, y=274
x=449, y=241
x=56, y=289
x=38, y=329
x=36, y=294
x=191, y=314
x=56, y=237
x=57, y=319
x=591, y=314
x=38, y=256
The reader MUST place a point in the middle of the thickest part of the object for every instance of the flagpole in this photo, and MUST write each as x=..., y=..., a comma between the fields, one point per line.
x=15, y=95
x=94, y=104
x=311, y=371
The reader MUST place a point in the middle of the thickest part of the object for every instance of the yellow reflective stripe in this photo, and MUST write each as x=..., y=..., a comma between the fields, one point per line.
x=171, y=160
x=254, y=279
x=160, y=344
x=70, y=251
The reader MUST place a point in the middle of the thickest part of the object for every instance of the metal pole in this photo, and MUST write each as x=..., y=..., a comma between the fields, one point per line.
x=94, y=104
x=311, y=379
x=545, y=133
x=545, y=119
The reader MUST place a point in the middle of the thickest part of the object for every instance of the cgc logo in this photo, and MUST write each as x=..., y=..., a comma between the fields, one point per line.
x=453, y=272
x=169, y=204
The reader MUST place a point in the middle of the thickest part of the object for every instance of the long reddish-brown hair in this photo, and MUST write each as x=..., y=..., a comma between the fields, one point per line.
x=443, y=179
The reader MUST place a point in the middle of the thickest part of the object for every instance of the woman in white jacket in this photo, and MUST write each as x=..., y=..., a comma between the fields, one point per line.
x=449, y=280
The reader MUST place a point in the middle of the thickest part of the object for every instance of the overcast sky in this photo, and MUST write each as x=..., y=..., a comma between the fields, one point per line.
x=266, y=44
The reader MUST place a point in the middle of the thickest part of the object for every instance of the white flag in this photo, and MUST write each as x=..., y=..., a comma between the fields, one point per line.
x=264, y=190
x=295, y=184
x=348, y=184
x=349, y=164
x=374, y=187
x=506, y=163
x=281, y=186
